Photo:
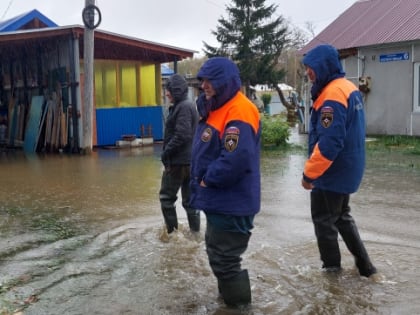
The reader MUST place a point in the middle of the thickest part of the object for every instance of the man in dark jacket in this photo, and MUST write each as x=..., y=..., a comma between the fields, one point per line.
x=225, y=181
x=336, y=160
x=180, y=126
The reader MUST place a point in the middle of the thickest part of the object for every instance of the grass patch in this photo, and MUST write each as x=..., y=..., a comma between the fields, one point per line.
x=393, y=152
x=402, y=144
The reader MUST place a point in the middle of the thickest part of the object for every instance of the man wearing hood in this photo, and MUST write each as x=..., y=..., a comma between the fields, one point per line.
x=225, y=174
x=180, y=126
x=336, y=160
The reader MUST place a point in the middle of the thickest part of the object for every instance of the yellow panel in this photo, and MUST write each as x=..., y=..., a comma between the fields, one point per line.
x=148, y=85
x=105, y=85
x=128, y=85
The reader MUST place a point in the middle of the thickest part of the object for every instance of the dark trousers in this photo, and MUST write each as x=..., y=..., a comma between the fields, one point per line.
x=331, y=215
x=174, y=178
x=224, y=250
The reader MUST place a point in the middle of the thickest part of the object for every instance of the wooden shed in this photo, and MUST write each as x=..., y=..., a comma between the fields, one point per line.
x=41, y=83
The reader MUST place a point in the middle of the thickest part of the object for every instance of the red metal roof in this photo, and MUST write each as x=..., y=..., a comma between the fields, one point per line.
x=371, y=22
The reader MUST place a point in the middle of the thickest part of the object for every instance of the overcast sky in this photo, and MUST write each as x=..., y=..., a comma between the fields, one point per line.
x=181, y=23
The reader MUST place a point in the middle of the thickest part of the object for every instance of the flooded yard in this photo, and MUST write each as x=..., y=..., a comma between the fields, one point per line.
x=81, y=235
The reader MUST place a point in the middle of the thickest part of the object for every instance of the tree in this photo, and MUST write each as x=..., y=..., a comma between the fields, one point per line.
x=254, y=38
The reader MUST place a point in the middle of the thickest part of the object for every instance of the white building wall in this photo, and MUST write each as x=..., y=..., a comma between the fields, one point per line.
x=389, y=104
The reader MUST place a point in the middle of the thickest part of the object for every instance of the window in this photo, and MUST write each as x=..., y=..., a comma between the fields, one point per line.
x=416, y=89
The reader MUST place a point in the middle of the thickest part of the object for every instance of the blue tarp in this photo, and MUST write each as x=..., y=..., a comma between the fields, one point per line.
x=166, y=71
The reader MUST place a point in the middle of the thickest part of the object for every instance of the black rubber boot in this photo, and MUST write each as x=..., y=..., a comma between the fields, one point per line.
x=236, y=291
x=330, y=254
x=351, y=237
x=366, y=268
x=171, y=220
x=194, y=220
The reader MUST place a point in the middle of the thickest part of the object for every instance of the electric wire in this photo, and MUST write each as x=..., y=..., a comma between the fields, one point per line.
x=7, y=9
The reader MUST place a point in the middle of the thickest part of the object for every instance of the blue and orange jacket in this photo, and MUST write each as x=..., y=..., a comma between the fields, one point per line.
x=226, y=156
x=337, y=126
x=226, y=147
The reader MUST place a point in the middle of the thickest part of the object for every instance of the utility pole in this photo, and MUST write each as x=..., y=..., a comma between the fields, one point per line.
x=89, y=14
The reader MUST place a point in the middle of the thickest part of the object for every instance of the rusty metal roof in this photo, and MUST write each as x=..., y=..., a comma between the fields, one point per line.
x=107, y=45
x=33, y=29
x=371, y=22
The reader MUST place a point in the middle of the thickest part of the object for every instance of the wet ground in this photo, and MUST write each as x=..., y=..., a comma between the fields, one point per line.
x=82, y=235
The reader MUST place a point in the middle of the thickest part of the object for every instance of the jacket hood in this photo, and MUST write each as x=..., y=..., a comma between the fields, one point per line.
x=223, y=75
x=325, y=62
x=178, y=87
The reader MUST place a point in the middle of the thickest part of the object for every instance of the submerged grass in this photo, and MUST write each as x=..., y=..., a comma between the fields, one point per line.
x=56, y=226
x=396, y=152
x=401, y=144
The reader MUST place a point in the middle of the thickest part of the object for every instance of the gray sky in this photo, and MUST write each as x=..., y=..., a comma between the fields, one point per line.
x=181, y=23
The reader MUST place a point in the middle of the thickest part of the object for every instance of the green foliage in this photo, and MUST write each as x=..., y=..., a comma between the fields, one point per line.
x=393, y=152
x=266, y=99
x=400, y=143
x=275, y=131
x=59, y=229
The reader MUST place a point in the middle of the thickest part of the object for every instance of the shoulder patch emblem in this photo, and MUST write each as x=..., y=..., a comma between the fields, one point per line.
x=206, y=135
x=327, y=116
x=232, y=130
x=231, y=138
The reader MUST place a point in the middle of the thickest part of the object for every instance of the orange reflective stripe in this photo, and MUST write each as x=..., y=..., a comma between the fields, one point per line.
x=338, y=90
x=235, y=109
x=317, y=164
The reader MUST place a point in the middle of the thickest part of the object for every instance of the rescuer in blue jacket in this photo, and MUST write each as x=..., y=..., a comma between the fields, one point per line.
x=336, y=160
x=225, y=174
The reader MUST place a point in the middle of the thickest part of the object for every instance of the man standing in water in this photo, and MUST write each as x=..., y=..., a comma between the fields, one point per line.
x=225, y=174
x=336, y=160
x=176, y=154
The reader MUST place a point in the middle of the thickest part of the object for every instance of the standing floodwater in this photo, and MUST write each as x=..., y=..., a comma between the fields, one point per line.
x=82, y=235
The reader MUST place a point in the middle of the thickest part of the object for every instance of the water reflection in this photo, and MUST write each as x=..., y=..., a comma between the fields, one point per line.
x=81, y=235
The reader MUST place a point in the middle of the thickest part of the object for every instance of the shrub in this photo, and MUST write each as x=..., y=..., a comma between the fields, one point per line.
x=275, y=130
x=266, y=99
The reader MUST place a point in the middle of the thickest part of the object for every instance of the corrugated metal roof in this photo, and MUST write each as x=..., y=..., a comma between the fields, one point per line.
x=107, y=45
x=371, y=22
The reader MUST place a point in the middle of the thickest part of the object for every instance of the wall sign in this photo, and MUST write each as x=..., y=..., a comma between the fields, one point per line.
x=394, y=57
